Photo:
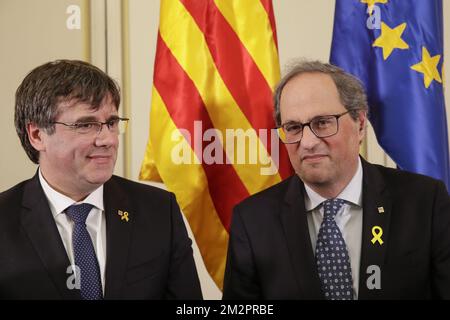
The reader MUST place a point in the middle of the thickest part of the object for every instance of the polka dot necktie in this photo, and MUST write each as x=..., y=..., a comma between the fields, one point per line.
x=333, y=262
x=85, y=257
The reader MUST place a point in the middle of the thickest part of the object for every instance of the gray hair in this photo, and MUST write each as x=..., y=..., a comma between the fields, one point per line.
x=351, y=90
x=47, y=86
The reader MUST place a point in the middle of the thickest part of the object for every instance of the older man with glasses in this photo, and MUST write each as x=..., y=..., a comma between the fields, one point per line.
x=76, y=231
x=340, y=228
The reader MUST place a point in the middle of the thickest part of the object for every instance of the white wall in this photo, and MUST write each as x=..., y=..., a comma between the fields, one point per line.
x=31, y=33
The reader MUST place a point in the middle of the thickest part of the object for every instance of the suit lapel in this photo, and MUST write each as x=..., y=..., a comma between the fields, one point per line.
x=118, y=236
x=38, y=223
x=376, y=212
x=295, y=224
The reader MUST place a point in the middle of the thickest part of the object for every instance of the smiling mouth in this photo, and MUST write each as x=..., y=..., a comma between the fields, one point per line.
x=100, y=159
x=99, y=156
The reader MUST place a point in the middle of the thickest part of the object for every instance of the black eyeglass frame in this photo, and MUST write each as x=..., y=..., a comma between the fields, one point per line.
x=76, y=125
x=308, y=124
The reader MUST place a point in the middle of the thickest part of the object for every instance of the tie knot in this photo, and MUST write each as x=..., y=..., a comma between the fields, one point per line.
x=331, y=207
x=79, y=213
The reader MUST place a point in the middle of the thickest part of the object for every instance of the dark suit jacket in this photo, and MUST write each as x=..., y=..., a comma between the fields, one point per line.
x=148, y=257
x=270, y=254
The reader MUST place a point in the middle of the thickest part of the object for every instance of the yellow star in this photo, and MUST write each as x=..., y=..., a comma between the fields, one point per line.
x=390, y=39
x=428, y=66
x=371, y=3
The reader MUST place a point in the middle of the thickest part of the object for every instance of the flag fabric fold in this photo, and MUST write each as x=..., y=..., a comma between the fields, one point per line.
x=395, y=48
x=210, y=138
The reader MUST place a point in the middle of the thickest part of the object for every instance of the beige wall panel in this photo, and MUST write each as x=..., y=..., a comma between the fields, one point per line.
x=304, y=29
x=144, y=22
x=31, y=33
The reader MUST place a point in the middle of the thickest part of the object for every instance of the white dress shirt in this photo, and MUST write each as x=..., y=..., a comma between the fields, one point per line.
x=95, y=222
x=348, y=219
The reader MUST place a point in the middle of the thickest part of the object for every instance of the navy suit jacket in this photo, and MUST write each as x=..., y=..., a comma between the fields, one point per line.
x=270, y=254
x=148, y=257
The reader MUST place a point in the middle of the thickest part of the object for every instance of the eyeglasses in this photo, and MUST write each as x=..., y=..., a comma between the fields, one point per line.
x=115, y=125
x=322, y=127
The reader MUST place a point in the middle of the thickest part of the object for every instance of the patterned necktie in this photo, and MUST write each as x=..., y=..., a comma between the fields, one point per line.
x=333, y=262
x=83, y=249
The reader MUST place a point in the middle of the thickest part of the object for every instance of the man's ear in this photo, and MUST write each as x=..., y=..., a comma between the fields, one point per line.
x=362, y=123
x=35, y=136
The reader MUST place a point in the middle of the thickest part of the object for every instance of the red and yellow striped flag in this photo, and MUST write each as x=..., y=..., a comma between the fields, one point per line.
x=210, y=140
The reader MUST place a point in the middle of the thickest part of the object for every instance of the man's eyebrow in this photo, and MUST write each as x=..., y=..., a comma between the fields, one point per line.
x=94, y=119
x=292, y=122
x=86, y=119
x=323, y=115
x=113, y=117
x=309, y=120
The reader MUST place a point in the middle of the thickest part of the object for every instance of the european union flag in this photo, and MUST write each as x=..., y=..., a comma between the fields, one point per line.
x=396, y=48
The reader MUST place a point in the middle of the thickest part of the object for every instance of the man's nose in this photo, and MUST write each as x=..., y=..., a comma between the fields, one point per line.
x=309, y=139
x=105, y=137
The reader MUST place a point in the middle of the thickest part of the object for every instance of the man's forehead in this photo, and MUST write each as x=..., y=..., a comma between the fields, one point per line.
x=312, y=80
x=75, y=109
x=75, y=104
x=312, y=90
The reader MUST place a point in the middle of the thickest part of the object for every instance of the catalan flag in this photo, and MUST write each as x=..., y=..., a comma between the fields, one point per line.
x=210, y=137
x=396, y=48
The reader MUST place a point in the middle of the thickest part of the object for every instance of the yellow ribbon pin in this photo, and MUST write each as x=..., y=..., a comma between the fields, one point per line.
x=123, y=215
x=377, y=232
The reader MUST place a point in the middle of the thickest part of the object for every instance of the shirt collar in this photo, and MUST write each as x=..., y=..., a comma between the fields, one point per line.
x=352, y=192
x=59, y=202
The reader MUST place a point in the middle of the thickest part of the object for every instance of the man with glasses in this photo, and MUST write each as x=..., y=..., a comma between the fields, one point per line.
x=75, y=231
x=340, y=228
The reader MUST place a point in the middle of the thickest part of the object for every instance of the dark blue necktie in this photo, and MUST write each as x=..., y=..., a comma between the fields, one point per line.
x=85, y=257
x=333, y=262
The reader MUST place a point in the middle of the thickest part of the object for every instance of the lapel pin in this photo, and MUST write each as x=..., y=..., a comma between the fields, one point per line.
x=123, y=215
x=380, y=210
x=377, y=232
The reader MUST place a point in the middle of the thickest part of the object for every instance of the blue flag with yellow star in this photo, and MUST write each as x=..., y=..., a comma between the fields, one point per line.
x=395, y=47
